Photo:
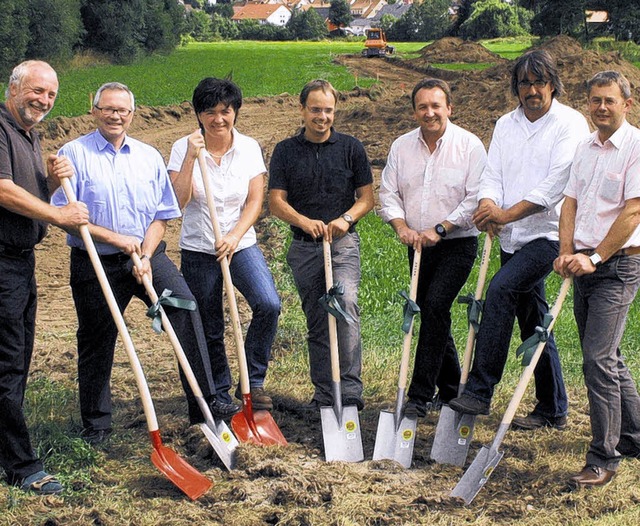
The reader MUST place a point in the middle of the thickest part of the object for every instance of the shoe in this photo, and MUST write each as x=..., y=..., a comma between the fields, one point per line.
x=223, y=410
x=591, y=475
x=435, y=404
x=534, y=421
x=415, y=408
x=315, y=405
x=259, y=399
x=41, y=483
x=469, y=405
x=95, y=437
x=353, y=400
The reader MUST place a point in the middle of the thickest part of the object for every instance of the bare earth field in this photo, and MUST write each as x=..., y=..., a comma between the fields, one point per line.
x=293, y=485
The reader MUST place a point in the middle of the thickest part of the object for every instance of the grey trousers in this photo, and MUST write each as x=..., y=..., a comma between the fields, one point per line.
x=307, y=265
x=601, y=304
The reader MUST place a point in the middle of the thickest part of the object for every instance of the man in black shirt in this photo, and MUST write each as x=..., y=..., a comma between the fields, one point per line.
x=320, y=183
x=24, y=215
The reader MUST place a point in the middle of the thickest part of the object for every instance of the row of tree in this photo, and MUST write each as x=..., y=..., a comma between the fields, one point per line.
x=54, y=30
x=123, y=30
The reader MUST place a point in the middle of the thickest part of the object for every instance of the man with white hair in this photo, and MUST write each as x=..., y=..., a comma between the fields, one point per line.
x=24, y=215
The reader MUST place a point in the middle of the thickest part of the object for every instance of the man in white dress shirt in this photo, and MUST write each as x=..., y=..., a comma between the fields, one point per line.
x=600, y=246
x=520, y=192
x=428, y=194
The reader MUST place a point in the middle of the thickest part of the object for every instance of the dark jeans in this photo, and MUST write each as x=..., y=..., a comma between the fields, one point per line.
x=251, y=276
x=444, y=269
x=18, y=301
x=97, y=332
x=307, y=265
x=601, y=304
x=517, y=290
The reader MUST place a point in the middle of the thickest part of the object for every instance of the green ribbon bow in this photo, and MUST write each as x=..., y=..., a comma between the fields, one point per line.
x=329, y=302
x=409, y=311
x=166, y=299
x=528, y=347
x=474, y=310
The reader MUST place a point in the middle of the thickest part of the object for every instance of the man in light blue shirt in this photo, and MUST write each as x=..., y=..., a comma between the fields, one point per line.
x=125, y=185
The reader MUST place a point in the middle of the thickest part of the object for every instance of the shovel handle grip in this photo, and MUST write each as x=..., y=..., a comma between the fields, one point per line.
x=143, y=387
x=333, y=326
x=406, y=343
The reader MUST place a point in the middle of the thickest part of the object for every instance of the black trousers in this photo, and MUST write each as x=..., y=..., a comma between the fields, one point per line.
x=444, y=269
x=97, y=332
x=18, y=303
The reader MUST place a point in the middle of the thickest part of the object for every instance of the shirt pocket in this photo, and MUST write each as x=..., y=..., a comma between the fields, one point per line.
x=611, y=187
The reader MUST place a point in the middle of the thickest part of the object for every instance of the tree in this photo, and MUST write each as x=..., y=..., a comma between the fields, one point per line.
x=340, y=13
x=493, y=19
x=422, y=21
x=306, y=25
x=14, y=34
x=198, y=25
x=560, y=17
x=625, y=20
x=53, y=37
x=223, y=28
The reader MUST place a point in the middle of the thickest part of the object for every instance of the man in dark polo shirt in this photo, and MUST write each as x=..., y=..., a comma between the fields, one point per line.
x=320, y=183
x=24, y=214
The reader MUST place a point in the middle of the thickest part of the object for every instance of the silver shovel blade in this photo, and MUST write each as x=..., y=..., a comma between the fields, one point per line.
x=395, y=443
x=342, y=436
x=453, y=436
x=222, y=440
x=477, y=474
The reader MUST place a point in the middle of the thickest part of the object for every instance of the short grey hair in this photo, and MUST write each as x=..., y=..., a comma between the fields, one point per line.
x=109, y=86
x=19, y=72
x=606, y=78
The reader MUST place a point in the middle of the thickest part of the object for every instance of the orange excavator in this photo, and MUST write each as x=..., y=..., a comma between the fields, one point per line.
x=376, y=44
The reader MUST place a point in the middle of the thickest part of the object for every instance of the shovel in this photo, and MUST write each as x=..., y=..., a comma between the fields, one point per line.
x=340, y=425
x=170, y=464
x=396, y=433
x=257, y=427
x=218, y=434
x=454, y=431
x=481, y=468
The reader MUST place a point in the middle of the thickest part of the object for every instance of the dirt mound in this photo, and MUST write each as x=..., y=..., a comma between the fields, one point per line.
x=562, y=45
x=450, y=49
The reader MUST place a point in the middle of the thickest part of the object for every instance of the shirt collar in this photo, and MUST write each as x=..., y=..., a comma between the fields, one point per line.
x=8, y=116
x=616, y=139
x=102, y=143
x=303, y=140
x=447, y=133
x=520, y=116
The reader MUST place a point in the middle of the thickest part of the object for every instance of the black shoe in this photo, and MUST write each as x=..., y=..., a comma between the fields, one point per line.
x=260, y=401
x=223, y=409
x=95, y=437
x=415, y=408
x=353, y=400
x=469, y=405
x=534, y=421
x=315, y=405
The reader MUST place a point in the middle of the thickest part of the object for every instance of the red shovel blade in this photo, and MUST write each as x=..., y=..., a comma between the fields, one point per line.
x=256, y=427
x=190, y=481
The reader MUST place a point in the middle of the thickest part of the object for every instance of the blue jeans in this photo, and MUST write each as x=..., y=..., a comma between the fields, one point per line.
x=517, y=290
x=251, y=276
x=601, y=304
x=444, y=269
x=307, y=265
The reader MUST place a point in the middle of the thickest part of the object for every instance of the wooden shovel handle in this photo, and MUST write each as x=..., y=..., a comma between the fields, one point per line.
x=333, y=326
x=143, y=387
x=226, y=275
x=471, y=337
x=406, y=344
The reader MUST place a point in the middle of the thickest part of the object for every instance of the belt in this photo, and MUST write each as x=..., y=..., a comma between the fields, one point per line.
x=310, y=239
x=117, y=257
x=15, y=252
x=629, y=251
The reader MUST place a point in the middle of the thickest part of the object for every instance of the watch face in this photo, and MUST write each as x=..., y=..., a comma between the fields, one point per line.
x=347, y=218
x=440, y=230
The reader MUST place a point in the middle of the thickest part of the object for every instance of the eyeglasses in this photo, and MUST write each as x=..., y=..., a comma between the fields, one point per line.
x=108, y=112
x=597, y=102
x=538, y=84
x=318, y=111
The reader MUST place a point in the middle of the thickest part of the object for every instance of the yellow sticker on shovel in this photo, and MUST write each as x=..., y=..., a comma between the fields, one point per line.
x=350, y=426
x=407, y=435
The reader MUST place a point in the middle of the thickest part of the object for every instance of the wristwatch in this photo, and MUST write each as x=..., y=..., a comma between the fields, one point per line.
x=348, y=219
x=596, y=259
x=441, y=230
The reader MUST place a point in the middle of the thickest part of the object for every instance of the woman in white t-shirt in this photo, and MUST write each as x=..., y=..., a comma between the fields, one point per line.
x=236, y=169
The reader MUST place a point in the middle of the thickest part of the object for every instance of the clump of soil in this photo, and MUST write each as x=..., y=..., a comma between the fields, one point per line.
x=451, y=49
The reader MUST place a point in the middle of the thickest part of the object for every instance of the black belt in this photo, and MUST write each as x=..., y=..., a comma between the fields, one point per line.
x=15, y=252
x=116, y=258
x=629, y=251
x=310, y=239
